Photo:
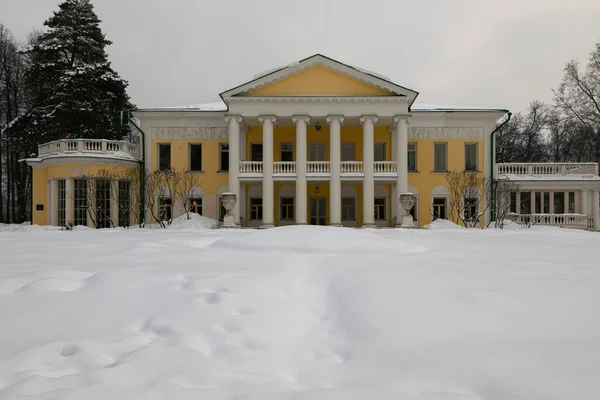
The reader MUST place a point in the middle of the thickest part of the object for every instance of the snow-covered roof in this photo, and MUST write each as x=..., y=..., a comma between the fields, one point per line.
x=419, y=107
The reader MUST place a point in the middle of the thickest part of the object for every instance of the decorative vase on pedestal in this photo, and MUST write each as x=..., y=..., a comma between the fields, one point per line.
x=407, y=201
x=228, y=200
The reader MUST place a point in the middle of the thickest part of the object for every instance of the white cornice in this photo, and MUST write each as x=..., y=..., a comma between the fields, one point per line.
x=320, y=99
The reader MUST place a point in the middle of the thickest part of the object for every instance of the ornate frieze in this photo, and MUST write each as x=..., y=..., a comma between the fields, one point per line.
x=191, y=133
x=78, y=171
x=445, y=133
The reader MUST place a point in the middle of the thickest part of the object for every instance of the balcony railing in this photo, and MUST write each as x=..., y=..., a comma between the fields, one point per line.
x=95, y=146
x=352, y=167
x=317, y=167
x=547, y=169
x=251, y=167
x=575, y=221
x=284, y=167
x=384, y=167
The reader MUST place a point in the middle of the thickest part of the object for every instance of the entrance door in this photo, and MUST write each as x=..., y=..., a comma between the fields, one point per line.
x=317, y=210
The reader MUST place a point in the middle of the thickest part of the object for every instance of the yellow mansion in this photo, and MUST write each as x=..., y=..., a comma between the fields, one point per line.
x=315, y=142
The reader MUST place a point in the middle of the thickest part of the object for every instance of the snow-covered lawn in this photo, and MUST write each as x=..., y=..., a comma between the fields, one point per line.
x=299, y=313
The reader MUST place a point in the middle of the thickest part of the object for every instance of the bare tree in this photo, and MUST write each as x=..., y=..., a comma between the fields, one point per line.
x=186, y=189
x=470, y=197
x=502, y=193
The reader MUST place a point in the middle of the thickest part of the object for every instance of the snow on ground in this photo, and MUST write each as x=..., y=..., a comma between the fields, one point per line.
x=299, y=313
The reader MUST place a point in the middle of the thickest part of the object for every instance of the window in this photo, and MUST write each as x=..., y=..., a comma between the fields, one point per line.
x=195, y=157
x=103, y=203
x=196, y=205
x=412, y=156
x=538, y=202
x=439, y=208
x=525, y=203
x=316, y=152
x=471, y=157
x=62, y=202
x=559, y=200
x=546, y=202
x=379, y=152
x=287, y=208
x=124, y=203
x=164, y=157
x=471, y=209
x=348, y=153
x=571, y=208
x=414, y=211
x=287, y=152
x=224, y=150
x=380, y=209
x=256, y=152
x=165, y=212
x=80, y=202
x=255, y=209
x=348, y=208
x=440, y=157
x=513, y=202
x=221, y=211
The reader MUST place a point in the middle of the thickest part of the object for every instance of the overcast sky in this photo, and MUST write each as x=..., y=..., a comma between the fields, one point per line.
x=483, y=53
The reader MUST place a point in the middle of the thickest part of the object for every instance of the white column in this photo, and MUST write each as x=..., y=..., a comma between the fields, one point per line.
x=395, y=192
x=368, y=123
x=234, y=162
x=402, y=162
x=551, y=203
x=114, y=202
x=585, y=194
x=518, y=199
x=532, y=202
x=596, y=208
x=243, y=131
x=53, y=209
x=335, y=168
x=268, y=122
x=301, y=151
x=566, y=203
x=69, y=200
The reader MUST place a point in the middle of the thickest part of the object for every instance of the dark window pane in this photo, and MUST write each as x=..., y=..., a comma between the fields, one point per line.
x=470, y=157
x=164, y=157
x=440, y=162
x=195, y=157
x=256, y=152
x=224, y=157
x=379, y=152
x=80, y=202
x=103, y=203
x=412, y=156
x=124, y=203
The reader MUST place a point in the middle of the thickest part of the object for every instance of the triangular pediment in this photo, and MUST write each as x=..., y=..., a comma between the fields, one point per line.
x=319, y=76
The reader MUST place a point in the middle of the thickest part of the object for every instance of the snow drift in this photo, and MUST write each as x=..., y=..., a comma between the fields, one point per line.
x=299, y=313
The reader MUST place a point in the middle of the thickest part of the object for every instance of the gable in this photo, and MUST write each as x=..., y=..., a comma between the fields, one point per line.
x=318, y=81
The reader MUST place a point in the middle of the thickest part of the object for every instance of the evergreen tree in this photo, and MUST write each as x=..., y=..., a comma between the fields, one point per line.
x=74, y=90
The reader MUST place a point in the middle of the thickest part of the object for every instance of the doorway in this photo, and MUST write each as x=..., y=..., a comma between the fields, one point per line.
x=318, y=210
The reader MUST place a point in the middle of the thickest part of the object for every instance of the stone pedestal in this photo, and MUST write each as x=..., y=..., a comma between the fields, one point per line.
x=407, y=201
x=229, y=200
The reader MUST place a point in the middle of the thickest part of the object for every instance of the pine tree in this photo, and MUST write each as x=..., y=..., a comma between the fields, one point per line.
x=74, y=90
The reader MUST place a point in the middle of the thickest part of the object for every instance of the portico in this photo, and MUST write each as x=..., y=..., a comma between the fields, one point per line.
x=331, y=171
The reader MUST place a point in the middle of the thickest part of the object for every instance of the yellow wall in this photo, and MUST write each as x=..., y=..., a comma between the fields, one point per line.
x=425, y=180
x=210, y=179
x=319, y=81
x=40, y=195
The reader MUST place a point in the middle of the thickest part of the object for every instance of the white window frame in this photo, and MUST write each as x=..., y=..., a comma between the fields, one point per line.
x=384, y=209
x=353, y=218
x=435, y=146
x=476, y=156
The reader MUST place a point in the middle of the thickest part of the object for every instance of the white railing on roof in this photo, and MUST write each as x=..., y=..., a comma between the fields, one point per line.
x=251, y=167
x=95, y=146
x=284, y=167
x=383, y=167
x=575, y=221
x=547, y=169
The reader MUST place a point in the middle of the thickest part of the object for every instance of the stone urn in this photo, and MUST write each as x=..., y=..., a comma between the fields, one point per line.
x=407, y=201
x=228, y=200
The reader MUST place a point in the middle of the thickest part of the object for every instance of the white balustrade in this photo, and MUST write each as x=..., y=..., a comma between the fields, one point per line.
x=385, y=167
x=574, y=221
x=251, y=167
x=352, y=167
x=284, y=167
x=547, y=169
x=317, y=167
x=88, y=146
